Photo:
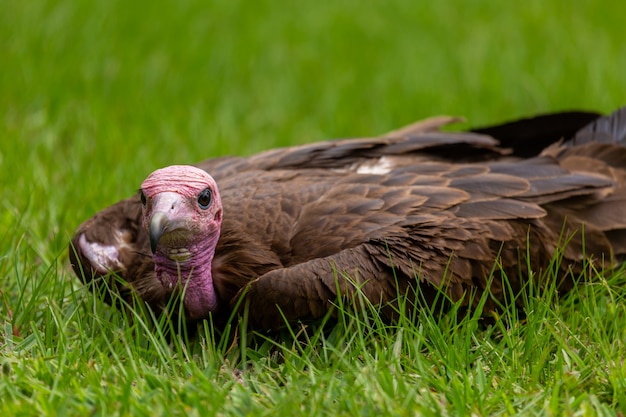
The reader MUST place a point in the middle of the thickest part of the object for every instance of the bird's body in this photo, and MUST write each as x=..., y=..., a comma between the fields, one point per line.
x=414, y=209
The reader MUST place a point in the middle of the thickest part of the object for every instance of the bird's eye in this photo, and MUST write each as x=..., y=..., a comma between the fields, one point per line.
x=142, y=197
x=204, y=198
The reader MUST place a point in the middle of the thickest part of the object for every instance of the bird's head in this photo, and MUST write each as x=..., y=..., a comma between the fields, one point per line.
x=182, y=213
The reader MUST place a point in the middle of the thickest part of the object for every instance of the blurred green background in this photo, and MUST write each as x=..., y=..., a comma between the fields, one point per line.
x=96, y=94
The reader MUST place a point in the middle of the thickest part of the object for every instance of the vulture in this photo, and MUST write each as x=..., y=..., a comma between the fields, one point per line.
x=409, y=215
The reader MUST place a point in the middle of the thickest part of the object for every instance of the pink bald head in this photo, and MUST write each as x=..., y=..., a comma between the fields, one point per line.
x=185, y=180
x=183, y=214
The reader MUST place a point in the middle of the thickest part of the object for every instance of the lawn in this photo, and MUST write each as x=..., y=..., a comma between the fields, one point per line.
x=94, y=95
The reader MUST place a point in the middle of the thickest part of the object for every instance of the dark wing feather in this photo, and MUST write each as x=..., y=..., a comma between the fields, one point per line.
x=528, y=137
x=607, y=129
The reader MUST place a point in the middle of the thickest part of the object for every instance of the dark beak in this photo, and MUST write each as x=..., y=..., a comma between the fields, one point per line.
x=157, y=226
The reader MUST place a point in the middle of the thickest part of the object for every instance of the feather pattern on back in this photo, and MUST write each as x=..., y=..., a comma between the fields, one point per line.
x=414, y=210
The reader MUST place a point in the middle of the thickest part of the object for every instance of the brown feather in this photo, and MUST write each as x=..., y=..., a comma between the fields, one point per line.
x=413, y=211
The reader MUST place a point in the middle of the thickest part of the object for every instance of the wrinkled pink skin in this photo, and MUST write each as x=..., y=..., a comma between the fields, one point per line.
x=188, y=234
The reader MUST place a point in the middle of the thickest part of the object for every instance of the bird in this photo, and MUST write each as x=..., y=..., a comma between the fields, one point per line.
x=416, y=213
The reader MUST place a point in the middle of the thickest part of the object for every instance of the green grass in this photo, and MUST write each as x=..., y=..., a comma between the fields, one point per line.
x=95, y=95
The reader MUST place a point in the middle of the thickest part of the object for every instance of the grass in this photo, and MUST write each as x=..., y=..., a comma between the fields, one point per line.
x=95, y=95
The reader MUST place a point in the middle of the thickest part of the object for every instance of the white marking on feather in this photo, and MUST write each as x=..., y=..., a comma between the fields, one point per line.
x=380, y=167
x=104, y=257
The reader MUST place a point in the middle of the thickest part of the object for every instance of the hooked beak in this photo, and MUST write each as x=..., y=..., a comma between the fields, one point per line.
x=157, y=226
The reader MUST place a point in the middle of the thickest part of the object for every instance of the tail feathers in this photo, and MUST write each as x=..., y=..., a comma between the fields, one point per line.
x=607, y=129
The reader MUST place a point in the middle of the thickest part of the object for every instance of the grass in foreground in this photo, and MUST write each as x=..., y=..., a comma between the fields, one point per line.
x=94, y=95
x=65, y=352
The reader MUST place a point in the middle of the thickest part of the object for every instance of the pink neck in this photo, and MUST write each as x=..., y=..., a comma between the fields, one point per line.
x=193, y=276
